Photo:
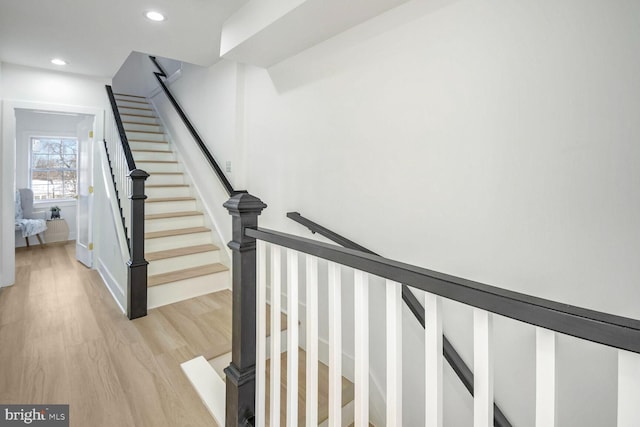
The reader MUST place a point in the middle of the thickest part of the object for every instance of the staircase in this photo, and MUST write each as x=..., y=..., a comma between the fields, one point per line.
x=208, y=378
x=183, y=260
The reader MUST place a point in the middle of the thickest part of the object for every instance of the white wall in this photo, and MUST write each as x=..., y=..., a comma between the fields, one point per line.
x=495, y=141
x=205, y=91
x=31, y=88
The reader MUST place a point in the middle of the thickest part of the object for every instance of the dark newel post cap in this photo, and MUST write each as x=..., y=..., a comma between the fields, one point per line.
x=138, y=174
x=244, y=203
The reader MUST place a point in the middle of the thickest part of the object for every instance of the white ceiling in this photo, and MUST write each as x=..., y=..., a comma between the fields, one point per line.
x=95, y=37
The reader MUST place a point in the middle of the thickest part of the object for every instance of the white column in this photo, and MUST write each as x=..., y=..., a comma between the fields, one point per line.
x=361, y=320
x=335, y=346
x=292, y=337
x=545, y=378
x=482, y=368
x=628, y=389
x=312, y=341
x=433, y=360
x=261, y=334
x=394, y=353
x=276, y=286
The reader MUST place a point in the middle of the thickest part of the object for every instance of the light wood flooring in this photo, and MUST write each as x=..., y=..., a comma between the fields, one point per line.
x=63, y=340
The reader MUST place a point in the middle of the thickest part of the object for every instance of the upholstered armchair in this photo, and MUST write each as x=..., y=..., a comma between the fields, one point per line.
x=28, y=222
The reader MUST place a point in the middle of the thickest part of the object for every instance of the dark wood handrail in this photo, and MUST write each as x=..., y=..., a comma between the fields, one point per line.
x=137, y=264
x=192, y=130
x=602, y=328
x=131, y=164
x=450, y=354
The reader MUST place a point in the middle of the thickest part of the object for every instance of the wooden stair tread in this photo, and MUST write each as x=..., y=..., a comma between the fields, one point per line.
x=145, y=131
x=283, y=321
x=140, y=123
x=131, y=100
x=187, y=250
x=132, y=96
x=172, y=215
x=348, y=390
x=147, y=140
x=159, y=161
x=134, y=108
x=170, y=199
x=187, y=273
x=136, y=115
x=151, y=151
x=176, y=232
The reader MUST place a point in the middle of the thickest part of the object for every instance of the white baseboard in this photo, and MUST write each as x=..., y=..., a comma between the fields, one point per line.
x=112, y=285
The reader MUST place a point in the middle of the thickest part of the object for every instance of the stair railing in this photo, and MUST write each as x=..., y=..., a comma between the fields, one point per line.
x=192, y=130
x=246, y=376
x=458, y=365
x=128, y=182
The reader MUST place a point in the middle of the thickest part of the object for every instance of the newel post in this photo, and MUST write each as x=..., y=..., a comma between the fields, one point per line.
x=241, y=382
x=137, y=271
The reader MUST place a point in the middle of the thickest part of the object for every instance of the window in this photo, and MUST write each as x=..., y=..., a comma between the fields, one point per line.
x=54, y=173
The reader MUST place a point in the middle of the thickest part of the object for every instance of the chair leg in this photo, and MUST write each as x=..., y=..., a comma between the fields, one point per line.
x=26, y=239
x=40, y=240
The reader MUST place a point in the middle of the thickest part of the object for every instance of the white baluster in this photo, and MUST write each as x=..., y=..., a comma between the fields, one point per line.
x=335, y=346
x=361, y=318
x=433, y=360
x=545, y=378
x=628, y=389
x=292, y=337
x=312, y=341
x=482, y=368
x=274, y=396
x=261, y=334
x=394, y=353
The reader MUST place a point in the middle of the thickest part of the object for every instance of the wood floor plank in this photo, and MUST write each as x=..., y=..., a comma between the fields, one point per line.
x=64, y=340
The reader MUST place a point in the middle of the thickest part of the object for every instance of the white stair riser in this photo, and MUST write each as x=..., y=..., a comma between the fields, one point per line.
x=165, y=224
x=166, y=207
x=144, y=136
x=152, y=127
x=137, y=118
x=152, y=167
x=173, y=242
x=152, y=192
x=136, y=112
x=141, y=145
x=123, y=97
x=133, y=104
x=163, y=179
x=177, y=291
x=181, y=262
x=141, y=156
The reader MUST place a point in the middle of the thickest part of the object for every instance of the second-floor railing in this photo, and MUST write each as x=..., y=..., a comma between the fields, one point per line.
x=450, y=354
x=257, y=251
x=128, y=182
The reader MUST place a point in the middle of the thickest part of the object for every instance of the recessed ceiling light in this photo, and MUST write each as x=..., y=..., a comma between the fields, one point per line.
x=58, y=61
x=155, y=16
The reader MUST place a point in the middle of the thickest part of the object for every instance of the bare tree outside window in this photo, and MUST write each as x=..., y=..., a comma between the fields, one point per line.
x=54, y=168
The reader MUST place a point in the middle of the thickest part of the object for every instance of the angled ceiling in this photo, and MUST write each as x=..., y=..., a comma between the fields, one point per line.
x=95, y=37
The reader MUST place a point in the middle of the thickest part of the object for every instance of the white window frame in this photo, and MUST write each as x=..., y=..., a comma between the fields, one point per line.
x=31, y=137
